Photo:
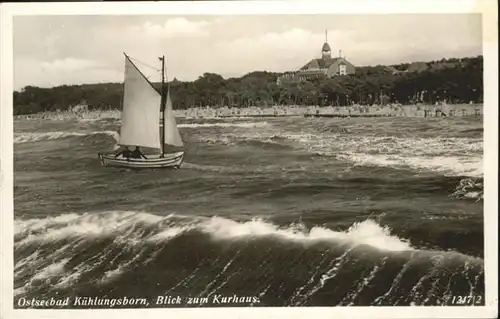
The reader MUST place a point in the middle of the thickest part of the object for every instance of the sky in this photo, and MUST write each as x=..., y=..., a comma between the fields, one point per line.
x=57, y=50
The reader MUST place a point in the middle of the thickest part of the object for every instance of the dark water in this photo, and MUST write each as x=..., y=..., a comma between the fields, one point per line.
x=291, y=211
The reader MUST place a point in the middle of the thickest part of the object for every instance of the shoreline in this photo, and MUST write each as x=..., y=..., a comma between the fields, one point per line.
x=457, y=110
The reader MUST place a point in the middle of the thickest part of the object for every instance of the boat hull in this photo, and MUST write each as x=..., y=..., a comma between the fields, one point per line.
x=171, y=160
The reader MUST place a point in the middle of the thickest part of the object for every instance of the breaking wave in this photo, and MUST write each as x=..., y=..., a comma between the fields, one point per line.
x=364, y=264
x=448, y=165
x=57, y=228
x=27, y=137
x=449, y=156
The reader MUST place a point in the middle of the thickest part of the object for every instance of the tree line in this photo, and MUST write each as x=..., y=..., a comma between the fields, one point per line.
x=451, y=80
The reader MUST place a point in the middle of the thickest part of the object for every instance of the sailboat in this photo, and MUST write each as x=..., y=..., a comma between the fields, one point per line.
x=147, y=121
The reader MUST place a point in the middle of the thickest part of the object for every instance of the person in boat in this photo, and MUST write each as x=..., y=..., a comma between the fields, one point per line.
x=137, y=153
x=125, y=153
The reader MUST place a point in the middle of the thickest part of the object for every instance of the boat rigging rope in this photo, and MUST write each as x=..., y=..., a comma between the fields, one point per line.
x=145, y=64
x=149, y=66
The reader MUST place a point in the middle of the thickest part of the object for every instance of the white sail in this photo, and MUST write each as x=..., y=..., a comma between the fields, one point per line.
x=141, y=110
x=172, y=135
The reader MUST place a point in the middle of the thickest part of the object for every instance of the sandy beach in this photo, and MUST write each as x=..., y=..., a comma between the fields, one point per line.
x=292, y=110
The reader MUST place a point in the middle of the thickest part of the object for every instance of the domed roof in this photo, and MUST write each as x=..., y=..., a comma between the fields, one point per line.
x=326, y=47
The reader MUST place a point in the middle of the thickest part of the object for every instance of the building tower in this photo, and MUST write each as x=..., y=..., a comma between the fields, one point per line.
x=326, y=52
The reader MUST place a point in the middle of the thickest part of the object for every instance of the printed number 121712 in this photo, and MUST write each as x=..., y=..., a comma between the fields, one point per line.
x=466, y=300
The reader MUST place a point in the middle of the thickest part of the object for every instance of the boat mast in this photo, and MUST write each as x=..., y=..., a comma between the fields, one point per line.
x=163, y=104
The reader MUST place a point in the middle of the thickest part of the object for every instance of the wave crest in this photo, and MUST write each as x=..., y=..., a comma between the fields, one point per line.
x=207, y=255
x=448, y=165
x=27, y=137
x=128, y=225
x=449, y=156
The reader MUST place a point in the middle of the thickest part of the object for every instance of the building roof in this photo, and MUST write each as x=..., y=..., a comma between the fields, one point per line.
x=319, y=63
x=326, y=47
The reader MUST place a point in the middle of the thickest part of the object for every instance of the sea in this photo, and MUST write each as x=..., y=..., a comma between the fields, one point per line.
x=277, y=211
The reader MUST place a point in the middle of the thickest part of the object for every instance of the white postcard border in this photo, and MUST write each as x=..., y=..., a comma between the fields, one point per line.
x=490, y=52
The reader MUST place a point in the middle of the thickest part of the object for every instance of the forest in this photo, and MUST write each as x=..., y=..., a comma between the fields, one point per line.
x=452, y=80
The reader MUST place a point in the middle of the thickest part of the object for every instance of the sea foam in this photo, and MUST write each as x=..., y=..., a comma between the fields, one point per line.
x=27, y=137
x=126, y=226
